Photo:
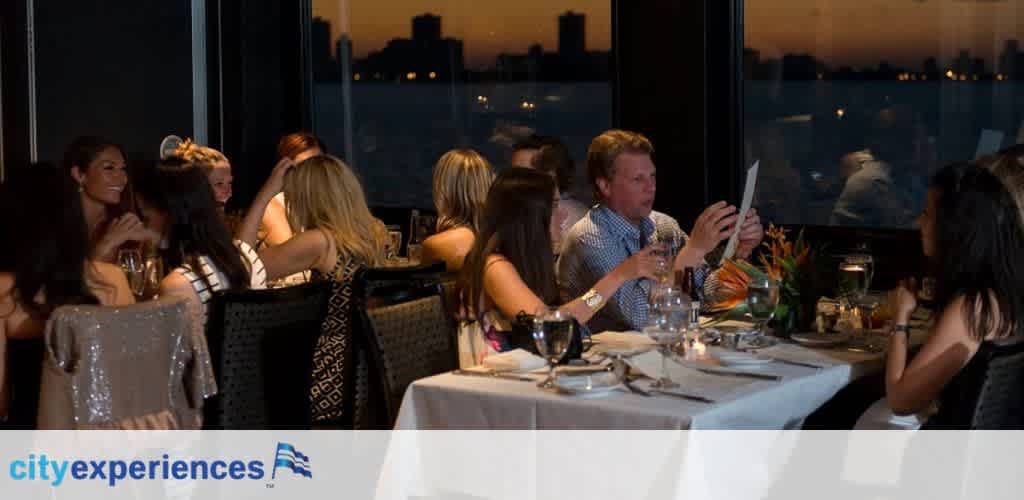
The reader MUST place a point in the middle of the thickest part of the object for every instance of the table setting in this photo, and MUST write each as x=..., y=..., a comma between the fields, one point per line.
x=738, y=367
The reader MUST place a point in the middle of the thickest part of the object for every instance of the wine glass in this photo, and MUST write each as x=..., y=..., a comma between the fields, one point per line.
x=762, y=298
x=665, y=245
x=552, y=332
x=659, y=329
x=131, y=263
x=153, y=272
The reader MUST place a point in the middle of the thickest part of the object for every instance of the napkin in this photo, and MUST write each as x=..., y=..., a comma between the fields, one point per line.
x=628, y=338
x=514, y=360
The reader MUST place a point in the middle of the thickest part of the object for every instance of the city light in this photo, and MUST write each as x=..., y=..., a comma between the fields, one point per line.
x=950, y=74
x=963, y=78
x=432, y=75
x=410, y=75
x=840, y=112
x=1000, y=77
x=482, y=99
x=527, y=105
x=974, y=77
x=357, y=77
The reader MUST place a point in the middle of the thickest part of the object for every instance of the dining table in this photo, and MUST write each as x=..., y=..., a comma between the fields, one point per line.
x=777, y=394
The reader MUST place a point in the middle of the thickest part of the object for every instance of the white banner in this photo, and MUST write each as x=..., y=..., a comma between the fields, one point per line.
x=521, y=465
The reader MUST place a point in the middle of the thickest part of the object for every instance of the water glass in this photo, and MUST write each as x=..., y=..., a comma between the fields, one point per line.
x=415, y=252
x=394, y=243
x=855, y=274
x=762, y=299
x=552, y=332
x=131, y=263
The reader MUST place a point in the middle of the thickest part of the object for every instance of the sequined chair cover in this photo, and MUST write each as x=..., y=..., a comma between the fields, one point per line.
x=143, y=366
x=261, y=343
x=409, y=336
x=988, y=393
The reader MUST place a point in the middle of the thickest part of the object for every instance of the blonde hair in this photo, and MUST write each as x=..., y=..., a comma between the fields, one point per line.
x=461, y=180
x=607, y=147
x=323, y=193
x=202, y=156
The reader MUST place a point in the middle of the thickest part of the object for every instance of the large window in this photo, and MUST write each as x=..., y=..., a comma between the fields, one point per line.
x=851, y=106
x=398, y=83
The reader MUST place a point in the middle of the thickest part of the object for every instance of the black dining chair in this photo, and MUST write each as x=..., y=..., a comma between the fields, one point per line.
x=409, y=335
x=261, y=344
x=989, y=392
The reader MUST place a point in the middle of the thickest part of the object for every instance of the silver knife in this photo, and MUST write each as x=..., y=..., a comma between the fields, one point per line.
x=506, y=376
x=759, y=376
x=798, y=363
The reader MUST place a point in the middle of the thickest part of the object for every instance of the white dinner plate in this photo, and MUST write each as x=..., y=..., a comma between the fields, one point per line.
x=590, y=384
x=819, y=339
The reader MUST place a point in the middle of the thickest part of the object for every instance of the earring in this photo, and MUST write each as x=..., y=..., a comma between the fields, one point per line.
x=80, y=188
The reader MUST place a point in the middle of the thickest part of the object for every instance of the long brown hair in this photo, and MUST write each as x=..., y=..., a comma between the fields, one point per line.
x=516, y=225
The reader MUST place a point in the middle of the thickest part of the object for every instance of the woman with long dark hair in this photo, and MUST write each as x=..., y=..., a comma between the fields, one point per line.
x=177, y=202
x=972, y=230
x=98, y=167
x=511, y=267
x=47, y=262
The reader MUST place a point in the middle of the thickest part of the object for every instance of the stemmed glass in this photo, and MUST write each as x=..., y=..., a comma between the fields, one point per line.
x=131, y=263
x=666, y=321
x=762, y=299
x=153, y=272
x=665, y=245
x=552, y=332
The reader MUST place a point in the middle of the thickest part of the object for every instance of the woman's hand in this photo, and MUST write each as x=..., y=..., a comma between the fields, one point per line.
x=643, y=264
x=123, y=229
x=903, y=301
x=275, y=183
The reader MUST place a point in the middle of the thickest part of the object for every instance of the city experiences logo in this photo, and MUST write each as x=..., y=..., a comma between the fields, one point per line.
x=41, y=468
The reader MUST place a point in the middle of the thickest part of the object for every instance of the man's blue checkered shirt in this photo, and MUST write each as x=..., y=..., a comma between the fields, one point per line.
x=598, y=243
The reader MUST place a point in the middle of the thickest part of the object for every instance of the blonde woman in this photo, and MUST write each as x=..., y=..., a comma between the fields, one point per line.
x=214, y=164
x=340, y=236
x=461, y=180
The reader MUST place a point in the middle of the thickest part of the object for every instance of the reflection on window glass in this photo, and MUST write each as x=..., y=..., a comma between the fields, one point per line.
x=400, y=82
x=851, y=113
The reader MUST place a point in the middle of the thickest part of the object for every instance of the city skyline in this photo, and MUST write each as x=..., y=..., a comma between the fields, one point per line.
x=837, y=32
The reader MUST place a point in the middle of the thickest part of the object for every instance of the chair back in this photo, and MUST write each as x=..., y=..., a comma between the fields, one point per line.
x=261, y=343
x=409, y=336
x=989, y=392
x=141, y=366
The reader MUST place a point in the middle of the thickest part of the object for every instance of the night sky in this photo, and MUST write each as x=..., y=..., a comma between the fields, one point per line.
x=842, y=32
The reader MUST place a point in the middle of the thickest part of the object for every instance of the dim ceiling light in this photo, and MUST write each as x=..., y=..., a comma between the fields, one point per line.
x=432, y=75
x=840, y=112
x=410, y=75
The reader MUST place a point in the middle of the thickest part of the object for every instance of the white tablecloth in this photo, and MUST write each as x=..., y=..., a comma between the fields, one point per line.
x=450, y=401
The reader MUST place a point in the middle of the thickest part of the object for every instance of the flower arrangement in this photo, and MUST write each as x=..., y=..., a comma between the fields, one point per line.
x=791, y=263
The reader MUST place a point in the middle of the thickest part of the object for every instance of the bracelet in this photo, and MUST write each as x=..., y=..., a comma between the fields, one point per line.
x=900, y=328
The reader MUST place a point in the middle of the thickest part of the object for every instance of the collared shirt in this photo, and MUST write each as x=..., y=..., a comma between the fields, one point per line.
x=598, y=243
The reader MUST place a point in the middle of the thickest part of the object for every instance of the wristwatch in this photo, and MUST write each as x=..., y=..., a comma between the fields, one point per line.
x=900, y=328
x=592, y=299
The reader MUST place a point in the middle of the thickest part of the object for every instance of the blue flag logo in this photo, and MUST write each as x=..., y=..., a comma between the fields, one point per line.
x=290, y=458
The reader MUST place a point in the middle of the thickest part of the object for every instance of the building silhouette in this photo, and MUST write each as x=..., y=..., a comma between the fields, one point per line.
x=572, y=61
x=325, y=66
x=426, y=57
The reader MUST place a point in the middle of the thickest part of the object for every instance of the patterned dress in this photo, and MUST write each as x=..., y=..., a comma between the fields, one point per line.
x=335, y=362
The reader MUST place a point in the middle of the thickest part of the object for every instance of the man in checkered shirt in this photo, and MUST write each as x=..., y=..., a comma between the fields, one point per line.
x=623, y=176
